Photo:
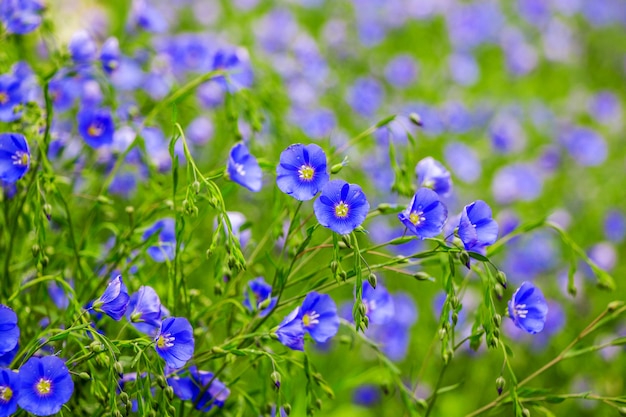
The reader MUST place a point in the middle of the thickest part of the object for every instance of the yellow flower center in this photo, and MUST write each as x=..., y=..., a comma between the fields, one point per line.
x=4, y=98
x=306, y=320
x=94, y=130
x=161, y=342
x=416, y=218
x=306, y=172
x=6, y=393
x=43, y=386
x=341, y=210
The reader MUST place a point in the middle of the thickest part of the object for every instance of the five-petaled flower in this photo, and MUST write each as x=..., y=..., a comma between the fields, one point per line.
x=14, y=157
x=114, y=300
x=301, y=172
x=425, y=215
x=243, y=168
x=341, y=207
x=528, y=308
x=175, y=342
x=45, y=385
x=477, y=229
x=319, y=316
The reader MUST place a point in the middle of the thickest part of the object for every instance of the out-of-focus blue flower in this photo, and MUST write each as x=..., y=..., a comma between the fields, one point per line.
x=586, y=146
x=9, y=392
x=401, y=71
x=605, y=107
x=147, y=17
x=235, y=61
x=477, y=229
x=45, y=385
x=200, y=130
x=63, y=91
x=516, y=182
x=528, y=308
x=165, y=246
x=190, y=388
x=508, y=221
x=9, y=330
x=110, y=55
x=394, y=336
x=96, y=126
x=463, y=68
x=129, y=76
x=301, y=172
x=243, y=168
x=316, y=123
x=365, y=96
x=276, y=30
x=319, y=316
x=114, y=300
x=379, y=306
x=21, y=16
x=91, y=93
x=615, y=226
x=83, y=49
x=472, y=24
x=425, y=214
x=341, y=207
x=432, y=174
x=14, y=157
x=58, y=295
x=175, y=342
x=463, y=161
x=11, y=96
x=366, y=395
x=507, y=136
x=260, y=292
x=290, y=331
x=211, y=94
x=144, y=310
x=604, y=255
x=531, y=255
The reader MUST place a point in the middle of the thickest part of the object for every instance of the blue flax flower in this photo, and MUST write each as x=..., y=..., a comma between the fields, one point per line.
x=432, y=174
x=190, y=389
x=110, y=55
x=319, y=316
x=7, y=358
x=261, y=292
x=9, y=392
x=96, y=127
x=9, y=331
x=45, y=385
x=301, y=172
x=341, y=207
x=21, y=16
x=14, y=157
x=82, y=47
x=114, y=300
x=477, y=229
x=243, y=168
x=379, y=306
x=174, y=342
x=290, y=331
x=528, y=308
x=165, y=247
x=425, y=214
x=11, y=96
x=144, y=310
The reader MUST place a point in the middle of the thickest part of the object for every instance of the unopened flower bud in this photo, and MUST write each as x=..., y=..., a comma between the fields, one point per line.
x=464, y=258
x=497, y=320
x=335, y=169
x=84, y=376
x=500, y=382
x=169, y=392
x=416, y=119
x=501, y=277
x=334, y=265
x=276, y=378
x=526, y=412
x=119, y=368
x=287, y=408
x=372, y=280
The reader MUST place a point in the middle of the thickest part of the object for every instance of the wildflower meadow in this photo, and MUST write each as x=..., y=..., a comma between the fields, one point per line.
x=312, y=208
